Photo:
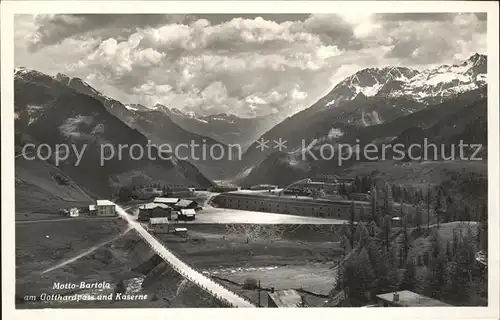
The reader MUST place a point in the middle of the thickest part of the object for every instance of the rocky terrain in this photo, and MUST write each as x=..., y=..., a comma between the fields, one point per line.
x=49, y=112
x=385, y=116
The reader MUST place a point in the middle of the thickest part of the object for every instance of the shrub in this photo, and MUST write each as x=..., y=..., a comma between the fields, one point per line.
x=125, y=194
x=250, y=283
x=61, y=180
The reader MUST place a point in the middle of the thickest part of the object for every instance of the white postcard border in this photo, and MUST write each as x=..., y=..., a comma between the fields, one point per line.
x=9, y=8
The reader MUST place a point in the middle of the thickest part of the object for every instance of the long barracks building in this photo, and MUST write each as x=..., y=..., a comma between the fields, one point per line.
x=303, y=206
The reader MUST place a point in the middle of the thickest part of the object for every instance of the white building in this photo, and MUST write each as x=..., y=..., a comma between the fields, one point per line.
x=187, y=214
x=167, y=201
x=159, y=224
x=73, y=212
x=105, y=208
x=182, y=232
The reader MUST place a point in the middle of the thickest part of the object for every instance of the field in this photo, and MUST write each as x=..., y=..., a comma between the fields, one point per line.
x=231, y=246
x=415, y=174
x=211, y=215
x=445, y=233
x=315, y=280
x=95, y=250
x=43, y=188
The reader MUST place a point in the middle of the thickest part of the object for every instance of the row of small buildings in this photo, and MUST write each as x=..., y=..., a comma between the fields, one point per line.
x=172, y=208
x=162, y=211
x=102, y=208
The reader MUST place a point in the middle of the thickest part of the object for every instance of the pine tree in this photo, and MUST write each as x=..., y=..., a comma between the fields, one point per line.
x=394, y=192
x=406, y=196
x=358, y=276
x=418, y=218
x=364, y=235
x=455, y=244
x=388, y=200
x=351, y=223
x=125, y=194
x=366, y=184
x=406, y=240
x=383, y=267
x=374, y=203
x=441, y=208
x=429, y=195
x=386, y=227
x=362, y=213
x=466, y=216
x=483, y=230
x=464, y=271
x=357, y=185
x=449, y=207
x=409, y=281
x=401, y=212
x=449, y=252
x=436, y=278
x=435, y=245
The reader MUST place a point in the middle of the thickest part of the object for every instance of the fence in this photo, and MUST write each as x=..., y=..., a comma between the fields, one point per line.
x=228, y=298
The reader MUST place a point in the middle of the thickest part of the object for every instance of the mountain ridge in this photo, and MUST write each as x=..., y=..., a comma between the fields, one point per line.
x=158, y=126
x=51, y=112
x=462, y=118
x=429, y=86
x=348, y=105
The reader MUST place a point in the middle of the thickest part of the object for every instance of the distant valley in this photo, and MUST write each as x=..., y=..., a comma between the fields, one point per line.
x=48, y=111
x=373, y=106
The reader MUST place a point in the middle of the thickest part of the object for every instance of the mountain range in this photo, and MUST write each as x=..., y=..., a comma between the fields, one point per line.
x=50, y=111
x=429, y=86
x=159, y=126
x=462, y=118
x=369, y=98
x=224, y=127
x=374, y=105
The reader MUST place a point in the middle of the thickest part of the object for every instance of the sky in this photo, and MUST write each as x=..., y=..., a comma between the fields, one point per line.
x=248, y=65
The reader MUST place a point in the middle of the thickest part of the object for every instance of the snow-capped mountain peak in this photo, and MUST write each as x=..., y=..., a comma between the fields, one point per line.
x=18, y=71
x=137, y=107
x=30, y=74
x=436, y=84
x=428, y=86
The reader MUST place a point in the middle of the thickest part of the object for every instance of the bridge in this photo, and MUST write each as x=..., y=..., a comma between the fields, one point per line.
x=216, y=290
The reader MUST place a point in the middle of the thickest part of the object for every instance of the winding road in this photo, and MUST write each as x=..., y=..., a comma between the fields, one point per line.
x=205, y=283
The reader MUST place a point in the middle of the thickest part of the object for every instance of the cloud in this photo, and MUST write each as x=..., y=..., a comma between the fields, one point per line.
x=438, y=39
x=332, y=29
x=248, y=65
x=54, y=29
x=415, y=16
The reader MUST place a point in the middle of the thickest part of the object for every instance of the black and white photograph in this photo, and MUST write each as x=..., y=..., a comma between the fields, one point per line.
x=251, y=160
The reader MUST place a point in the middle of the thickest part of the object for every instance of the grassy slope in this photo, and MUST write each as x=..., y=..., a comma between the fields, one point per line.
x=416, y=174
x=445, y=233
x=112, y=262
x=38, y=191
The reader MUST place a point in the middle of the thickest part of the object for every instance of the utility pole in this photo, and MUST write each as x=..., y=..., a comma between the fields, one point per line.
x=428, y=207
x=258, y=290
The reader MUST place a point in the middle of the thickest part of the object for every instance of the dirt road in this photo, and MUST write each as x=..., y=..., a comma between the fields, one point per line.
x=185, y=270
